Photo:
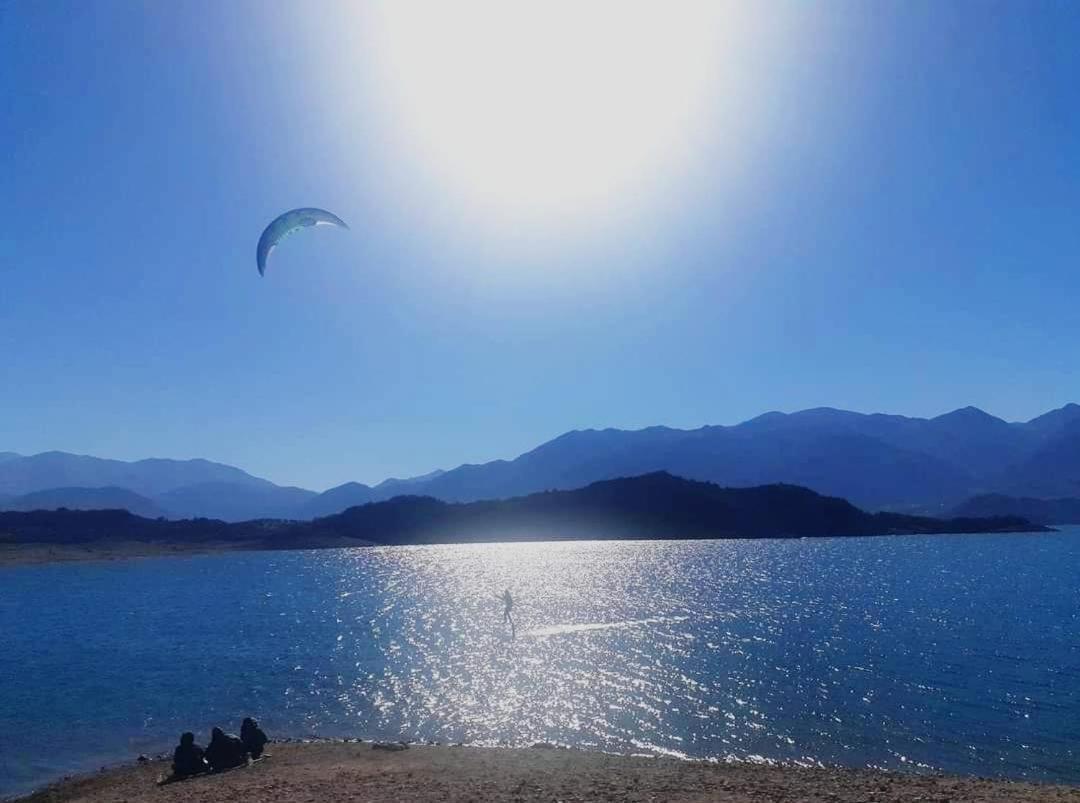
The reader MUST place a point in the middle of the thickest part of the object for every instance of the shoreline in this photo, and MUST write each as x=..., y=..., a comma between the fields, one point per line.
x=105, y=551
x=651, y=507
x=354, y=771
x=40, y=554
x=45, y=554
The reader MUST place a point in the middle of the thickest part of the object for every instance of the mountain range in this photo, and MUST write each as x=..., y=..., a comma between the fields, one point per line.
x=652, y=506
x=878, y=461
x=1040, y=511
x=174, y=488
x=77, y=498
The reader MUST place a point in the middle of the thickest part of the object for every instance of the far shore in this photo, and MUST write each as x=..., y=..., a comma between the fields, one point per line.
x=37, y=554
x=31, y=554
x=28, y=554
x=337, y=772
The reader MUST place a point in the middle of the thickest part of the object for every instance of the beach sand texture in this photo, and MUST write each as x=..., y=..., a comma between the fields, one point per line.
x=339, y=772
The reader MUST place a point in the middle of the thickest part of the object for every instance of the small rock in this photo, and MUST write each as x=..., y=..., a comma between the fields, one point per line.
x=393, y=746
x=142, y=759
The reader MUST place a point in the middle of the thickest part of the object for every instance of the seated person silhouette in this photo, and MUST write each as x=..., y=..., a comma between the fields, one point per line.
x=188, y=758
x=224, y=751
x=253, y=737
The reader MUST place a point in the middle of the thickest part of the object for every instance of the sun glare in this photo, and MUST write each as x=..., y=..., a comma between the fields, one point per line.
x=556, y=108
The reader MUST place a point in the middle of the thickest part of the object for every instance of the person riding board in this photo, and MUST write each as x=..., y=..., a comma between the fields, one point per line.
x=508, y=606
x=508, y=601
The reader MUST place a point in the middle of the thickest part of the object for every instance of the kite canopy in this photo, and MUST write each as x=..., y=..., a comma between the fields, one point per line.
x=289, y=222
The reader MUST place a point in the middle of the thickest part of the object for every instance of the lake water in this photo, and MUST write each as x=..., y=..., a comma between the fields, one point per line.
x=955, y=653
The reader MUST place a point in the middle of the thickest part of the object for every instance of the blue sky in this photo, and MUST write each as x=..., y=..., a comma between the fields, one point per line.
x=879, y=211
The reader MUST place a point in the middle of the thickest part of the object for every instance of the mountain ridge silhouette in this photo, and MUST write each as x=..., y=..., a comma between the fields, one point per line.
x=656, y=506
x=879, y=461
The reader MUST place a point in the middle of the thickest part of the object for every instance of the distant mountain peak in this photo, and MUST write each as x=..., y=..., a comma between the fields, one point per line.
x=107, y=498
x=1067, y=412
x=399, y=481
x=819, y=414
x=765, y=418
x=350, y=486
x=968, y=413
x=825, y=411
x=973, y=423
x=202, y=485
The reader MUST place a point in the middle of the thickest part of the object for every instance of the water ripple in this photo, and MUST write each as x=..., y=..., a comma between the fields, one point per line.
x=907, y=653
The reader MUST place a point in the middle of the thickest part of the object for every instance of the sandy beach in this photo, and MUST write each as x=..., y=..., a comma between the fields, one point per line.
x=340, y=772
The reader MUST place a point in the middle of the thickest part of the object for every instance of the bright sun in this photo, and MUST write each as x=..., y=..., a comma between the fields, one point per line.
x=556, y=108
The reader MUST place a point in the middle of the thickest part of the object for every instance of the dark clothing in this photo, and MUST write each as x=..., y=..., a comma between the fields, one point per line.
x=508, y=601
x=225, y=751
x=188, y=760
x=253, y=737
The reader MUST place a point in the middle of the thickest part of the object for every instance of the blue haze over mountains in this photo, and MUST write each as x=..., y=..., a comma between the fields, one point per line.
x=876, y=461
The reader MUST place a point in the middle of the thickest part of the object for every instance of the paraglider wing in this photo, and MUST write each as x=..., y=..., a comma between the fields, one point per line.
x=288, y=223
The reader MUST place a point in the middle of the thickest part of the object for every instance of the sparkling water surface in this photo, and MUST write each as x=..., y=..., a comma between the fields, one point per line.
x=954, y=653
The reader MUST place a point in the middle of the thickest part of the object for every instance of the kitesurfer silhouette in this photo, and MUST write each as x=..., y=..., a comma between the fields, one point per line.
x=508, y=603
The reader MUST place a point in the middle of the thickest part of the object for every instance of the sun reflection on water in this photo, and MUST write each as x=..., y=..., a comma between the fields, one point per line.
x=607, y=648
x=871, y=652
x=592, y=657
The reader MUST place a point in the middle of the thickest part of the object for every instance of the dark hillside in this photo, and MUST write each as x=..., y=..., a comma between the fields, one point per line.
x=653, y=506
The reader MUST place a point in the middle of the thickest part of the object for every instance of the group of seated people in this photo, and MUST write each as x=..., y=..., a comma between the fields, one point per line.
x=224, y=751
